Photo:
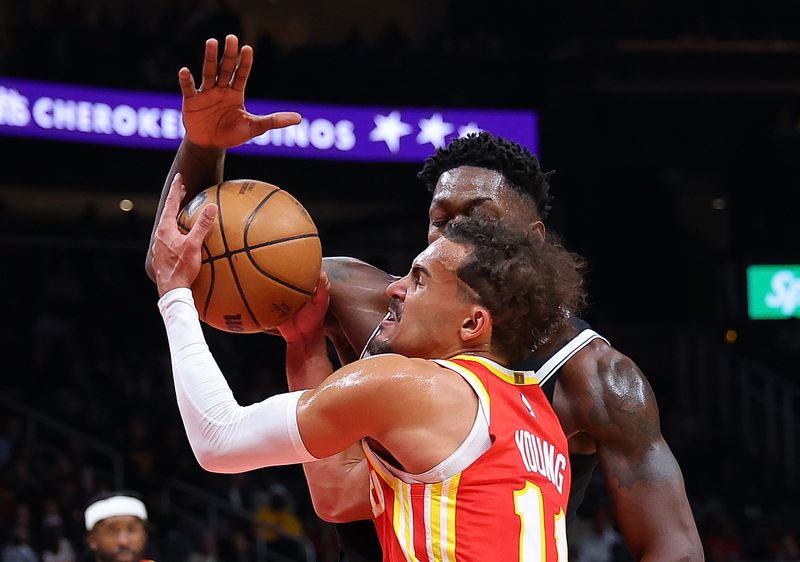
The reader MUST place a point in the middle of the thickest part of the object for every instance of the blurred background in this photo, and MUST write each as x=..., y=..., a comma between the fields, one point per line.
x=674, y=129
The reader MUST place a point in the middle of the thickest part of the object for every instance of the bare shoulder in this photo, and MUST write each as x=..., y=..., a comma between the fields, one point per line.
x=392, y=371
x=609, y=396
x=394, y=387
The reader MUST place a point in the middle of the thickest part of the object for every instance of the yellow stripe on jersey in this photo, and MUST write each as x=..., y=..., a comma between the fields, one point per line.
x=408, y=514
x=399, y=516
x=451, y=517
x=523, y=378
x=426, y=515
x=436, y=520
x=439, y=517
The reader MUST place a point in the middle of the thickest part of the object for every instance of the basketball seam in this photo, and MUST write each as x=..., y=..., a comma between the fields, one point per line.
x=230, y=261
x=259, y=246
x=210, y=284
x=247, y=248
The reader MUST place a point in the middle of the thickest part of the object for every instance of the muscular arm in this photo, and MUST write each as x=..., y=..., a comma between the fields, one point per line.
x=200, y=167
x=339, y=484
x=367, y=398
x=358, y=304
x=215, y=119
x=616, y=407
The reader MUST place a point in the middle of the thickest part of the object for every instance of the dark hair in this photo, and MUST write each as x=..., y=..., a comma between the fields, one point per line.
x=484, y=150
x=530, y=285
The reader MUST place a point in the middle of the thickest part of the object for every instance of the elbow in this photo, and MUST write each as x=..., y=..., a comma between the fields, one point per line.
x=148, y=267
x=332, y=512
x=691, y=548
x=693, y=552
x=339, y=505
x=212, y=460
x=688, y=550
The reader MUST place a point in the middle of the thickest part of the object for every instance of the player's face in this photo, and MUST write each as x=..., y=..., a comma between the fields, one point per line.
x=428, y=306
x=466, y=189
x=118, y=539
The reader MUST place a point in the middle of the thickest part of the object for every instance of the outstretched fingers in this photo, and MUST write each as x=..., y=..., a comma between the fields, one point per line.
x=243, y=70
x=228, y=64
x=210, y=64
x=186, y=82
x=262, y=123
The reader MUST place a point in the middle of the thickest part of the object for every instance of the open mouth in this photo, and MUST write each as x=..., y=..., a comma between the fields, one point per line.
x=395, y=312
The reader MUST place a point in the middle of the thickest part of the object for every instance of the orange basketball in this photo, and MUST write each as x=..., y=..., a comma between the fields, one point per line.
x=261, y=258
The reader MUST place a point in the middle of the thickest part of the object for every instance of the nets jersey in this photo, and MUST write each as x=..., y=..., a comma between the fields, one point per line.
x=508, y=504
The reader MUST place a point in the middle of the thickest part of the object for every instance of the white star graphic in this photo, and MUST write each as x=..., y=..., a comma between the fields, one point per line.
x=389, y=129
x=468, y=129
x=434, y=130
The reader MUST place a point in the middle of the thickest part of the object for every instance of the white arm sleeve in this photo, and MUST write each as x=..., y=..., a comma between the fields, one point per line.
x=224, y=436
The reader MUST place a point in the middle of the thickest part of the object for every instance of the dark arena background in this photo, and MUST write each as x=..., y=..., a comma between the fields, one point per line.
x=674, y=129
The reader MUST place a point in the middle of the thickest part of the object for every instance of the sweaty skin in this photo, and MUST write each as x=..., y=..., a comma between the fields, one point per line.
x=604, y=403
x=602, y=399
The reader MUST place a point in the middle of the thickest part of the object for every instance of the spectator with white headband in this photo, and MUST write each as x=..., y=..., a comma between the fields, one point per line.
x=115, y=523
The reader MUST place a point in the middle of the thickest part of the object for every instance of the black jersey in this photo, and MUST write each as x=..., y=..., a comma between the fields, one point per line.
x=358, y=541
x=546, y=367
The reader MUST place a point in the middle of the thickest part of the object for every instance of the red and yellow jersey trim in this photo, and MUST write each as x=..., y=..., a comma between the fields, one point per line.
x=438, y=517
x=519, y=378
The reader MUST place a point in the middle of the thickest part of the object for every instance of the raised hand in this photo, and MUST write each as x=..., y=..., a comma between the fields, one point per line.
x=176, y=256
x=215, y=114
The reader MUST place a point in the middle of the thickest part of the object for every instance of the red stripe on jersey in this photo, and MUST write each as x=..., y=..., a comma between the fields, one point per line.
x=509, y=504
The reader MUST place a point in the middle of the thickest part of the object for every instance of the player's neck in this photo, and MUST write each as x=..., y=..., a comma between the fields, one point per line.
x=486, y=353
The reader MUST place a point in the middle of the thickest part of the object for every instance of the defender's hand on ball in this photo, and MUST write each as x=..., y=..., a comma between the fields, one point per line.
x=177, y=256
x=215, y=115
x=309, y=321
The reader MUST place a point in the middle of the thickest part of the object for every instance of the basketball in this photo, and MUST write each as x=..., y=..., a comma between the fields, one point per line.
x=261, y=259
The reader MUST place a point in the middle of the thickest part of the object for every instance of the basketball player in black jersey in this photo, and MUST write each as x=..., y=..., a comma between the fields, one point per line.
x=604, y=402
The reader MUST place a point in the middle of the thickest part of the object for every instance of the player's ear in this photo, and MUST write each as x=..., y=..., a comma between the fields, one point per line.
x=538, y=228
x=477, y=326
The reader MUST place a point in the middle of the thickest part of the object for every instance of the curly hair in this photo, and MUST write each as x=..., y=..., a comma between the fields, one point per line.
x=530, y=285
x=484, y=150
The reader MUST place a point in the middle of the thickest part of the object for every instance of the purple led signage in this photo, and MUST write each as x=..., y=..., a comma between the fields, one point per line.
x=147, y=120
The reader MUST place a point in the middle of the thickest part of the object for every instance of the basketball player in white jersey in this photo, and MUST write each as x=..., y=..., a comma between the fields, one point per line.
x=604, y=402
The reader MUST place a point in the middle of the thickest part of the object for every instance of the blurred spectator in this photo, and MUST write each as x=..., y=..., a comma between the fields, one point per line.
x=595, y=541
x=721, y=543
x=277, y=524
x=207, y=551
x=56, y=547
x=19, y=549
x=116, y=527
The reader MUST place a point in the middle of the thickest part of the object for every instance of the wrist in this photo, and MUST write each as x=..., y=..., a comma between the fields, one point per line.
x=306, y=337
x=198, y=147
x=165, y=287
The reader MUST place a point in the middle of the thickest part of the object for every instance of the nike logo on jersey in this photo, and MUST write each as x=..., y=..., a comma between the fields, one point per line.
x=538, y=455
x=527, y=404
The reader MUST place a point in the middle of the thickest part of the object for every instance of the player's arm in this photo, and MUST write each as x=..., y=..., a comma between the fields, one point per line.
x=289, y=428
x=644, y=480
x=339, y=484
x=215, y=119
x=358, y=302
